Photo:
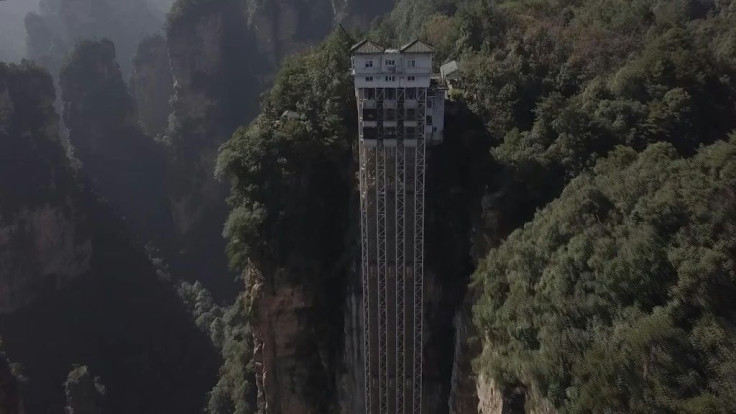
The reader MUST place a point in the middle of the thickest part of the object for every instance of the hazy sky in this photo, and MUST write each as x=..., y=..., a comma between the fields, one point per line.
x=12, y=29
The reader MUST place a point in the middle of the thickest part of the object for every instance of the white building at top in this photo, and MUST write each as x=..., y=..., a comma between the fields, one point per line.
x=394, y=79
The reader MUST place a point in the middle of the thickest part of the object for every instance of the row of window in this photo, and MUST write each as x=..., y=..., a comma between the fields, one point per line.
x=391, y=78
x=389, y=93
x=411, y=63
x=409, y=133
x=370, y=114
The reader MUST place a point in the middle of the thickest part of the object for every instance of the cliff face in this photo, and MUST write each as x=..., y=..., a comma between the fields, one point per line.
x=293, y=362
x=122, y=164
x=152, y=84
x=44, y=243
x=223, y=54
x=68, y=268
x=457, y=175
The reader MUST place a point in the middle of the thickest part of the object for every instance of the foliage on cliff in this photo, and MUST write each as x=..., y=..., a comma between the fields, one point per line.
x=290, y=177
x=291, y=180
x=616, y=295
x=84, y=394
x=229, y=330
x=619, y=295
x=561, y=83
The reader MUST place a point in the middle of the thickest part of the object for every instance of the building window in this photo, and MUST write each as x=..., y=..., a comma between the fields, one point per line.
x=429, y=119
x=370, y=93
x=390, y=115
x=369, y=63
x=412, y=78
x=390, y=62
x=429, y=103
x=370, y=114
x=370, y=133
x=390, y=93
x=369, y=78
x=411, y=114
x=390, y=133
x=411, y=132
x=412, y=63
x=390, y=78
x=411, y=93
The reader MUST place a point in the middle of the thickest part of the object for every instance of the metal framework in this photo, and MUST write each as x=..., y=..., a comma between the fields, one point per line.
x=392, y=172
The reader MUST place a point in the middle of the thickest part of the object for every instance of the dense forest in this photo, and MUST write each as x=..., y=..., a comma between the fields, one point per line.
x=178, y=245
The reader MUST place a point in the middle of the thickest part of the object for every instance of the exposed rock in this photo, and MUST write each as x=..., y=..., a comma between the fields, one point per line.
x=68, y=269
x=494, y=399
x=152, y=84
x=40, y=250
x=463, y=393
x=350, y=377
x=122, y=164
x=292, y=366
x=489, y=396
x=44, y=243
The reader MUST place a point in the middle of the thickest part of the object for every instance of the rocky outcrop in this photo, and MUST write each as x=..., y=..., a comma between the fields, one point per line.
x=69, y=269
x=44, y=243
x=495, y=399
x=463, y=394
x=152, y=84
x=123, y=165
x=294, y=354
x=215, y=69
x=41, y=249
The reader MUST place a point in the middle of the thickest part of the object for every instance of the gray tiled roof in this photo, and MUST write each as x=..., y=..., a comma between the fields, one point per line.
x=417, y=46
x=367, y=47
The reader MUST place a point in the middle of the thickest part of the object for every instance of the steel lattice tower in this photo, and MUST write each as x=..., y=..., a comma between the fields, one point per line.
x=396, y=106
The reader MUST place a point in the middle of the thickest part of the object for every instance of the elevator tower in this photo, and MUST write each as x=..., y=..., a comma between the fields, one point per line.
x=400, y=113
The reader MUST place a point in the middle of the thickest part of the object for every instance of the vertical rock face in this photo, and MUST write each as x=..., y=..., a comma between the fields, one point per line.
x=350, y=392
x=121, y=163
x=63, y=251
x=463, y=394
x=493, y=399
x=284, y=27
x=456, y=171
x=152, y=84
x=43, y=241
x=294, y=375
x=215, y=65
